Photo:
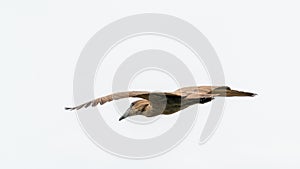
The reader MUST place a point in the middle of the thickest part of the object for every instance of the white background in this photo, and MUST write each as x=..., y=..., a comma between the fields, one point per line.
x=257, y=43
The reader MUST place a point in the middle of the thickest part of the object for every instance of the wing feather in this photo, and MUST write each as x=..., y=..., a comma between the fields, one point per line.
x=151, y=96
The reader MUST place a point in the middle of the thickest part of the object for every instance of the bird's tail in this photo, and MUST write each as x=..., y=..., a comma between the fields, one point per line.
x=227, y=92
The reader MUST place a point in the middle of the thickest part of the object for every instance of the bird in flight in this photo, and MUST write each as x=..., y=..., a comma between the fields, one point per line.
x=156, y=103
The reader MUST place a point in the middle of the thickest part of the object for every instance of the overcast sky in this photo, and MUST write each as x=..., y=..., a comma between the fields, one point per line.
x=258, y=46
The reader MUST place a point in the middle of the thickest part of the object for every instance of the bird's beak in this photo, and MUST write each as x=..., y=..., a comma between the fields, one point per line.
x=126, y=114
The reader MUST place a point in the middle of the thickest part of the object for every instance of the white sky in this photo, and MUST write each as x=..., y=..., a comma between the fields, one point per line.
x=257, y=43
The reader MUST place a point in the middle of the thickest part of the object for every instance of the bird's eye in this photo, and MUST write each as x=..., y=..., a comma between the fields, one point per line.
x=131, y=104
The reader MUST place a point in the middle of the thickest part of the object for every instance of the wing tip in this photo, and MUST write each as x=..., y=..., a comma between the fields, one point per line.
x=253, y=94
x=69, y=108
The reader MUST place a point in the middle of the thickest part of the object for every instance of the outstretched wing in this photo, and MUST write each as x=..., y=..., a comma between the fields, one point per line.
x=151, y=96
x=200, y=90
x=201, y=94
x=210, y=91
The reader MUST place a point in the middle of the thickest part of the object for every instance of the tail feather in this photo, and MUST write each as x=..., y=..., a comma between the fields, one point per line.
x=231, y=93
x=227, y=92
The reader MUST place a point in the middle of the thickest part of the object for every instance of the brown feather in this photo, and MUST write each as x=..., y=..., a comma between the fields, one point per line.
x=187, y=95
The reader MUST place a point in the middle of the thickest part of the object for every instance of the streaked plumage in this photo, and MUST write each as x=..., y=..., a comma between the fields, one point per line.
x=156, y=103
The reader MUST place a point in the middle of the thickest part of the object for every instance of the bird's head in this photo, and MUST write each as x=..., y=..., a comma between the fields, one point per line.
x=139, y=107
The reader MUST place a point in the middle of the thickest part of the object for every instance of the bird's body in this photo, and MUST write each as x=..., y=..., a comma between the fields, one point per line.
x=156, y=103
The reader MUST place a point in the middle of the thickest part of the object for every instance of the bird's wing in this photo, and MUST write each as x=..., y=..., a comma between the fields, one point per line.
x=212, y=91
x=200, y=96
x=199, y=90
x=151, y=96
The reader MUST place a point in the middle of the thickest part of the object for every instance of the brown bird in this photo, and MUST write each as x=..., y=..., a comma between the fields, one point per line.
x=156, y=103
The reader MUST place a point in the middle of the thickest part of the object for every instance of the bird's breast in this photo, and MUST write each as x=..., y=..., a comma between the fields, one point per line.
x=170, y=106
